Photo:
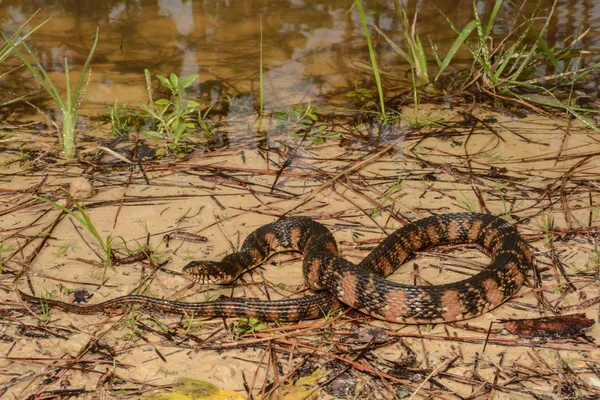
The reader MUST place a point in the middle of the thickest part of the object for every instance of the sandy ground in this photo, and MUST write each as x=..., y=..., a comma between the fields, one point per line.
x=530, y=171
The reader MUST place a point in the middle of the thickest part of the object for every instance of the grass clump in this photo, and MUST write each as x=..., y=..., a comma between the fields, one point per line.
x=505, y=70
x=70, y=105
x=510, y=71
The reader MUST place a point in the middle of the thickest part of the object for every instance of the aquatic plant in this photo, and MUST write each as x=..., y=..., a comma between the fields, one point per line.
x=173, y=118
x=68, y=106
x=361, y=12
x=504, y=72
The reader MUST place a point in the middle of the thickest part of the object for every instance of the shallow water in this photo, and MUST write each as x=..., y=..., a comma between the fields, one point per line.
x=312, y=50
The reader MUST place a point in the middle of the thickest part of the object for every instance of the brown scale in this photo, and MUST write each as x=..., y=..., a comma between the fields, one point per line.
x=361, y=286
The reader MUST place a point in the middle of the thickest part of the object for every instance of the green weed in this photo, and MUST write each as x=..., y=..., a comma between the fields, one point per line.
x=506, y=210
x=130, y=323
x=81, y=215
x=302, y=121
x=509, y=70
x=173, y=119
x=44, y=309
x=596, y=212
x=360, y=95
x=330, y=314
x=491, y=156
x=376, y=211
x=250, y=325
x=5, y=248
x=63, y=249
x=468, y=202
x=122, y=118
x=547, y=227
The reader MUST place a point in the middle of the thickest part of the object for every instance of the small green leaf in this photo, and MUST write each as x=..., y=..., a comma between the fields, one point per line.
x=153, y=134
x=174, y=80
x=164, y=81
x=187, y=81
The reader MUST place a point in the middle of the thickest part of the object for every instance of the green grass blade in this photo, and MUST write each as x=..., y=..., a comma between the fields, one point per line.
x=6, y=50
x=493, y=15
x=41, y=76
x=78, y=88
x=460, y=40
x=421, y=58
x=361, y=12
x=261, y=77
x=82, y=217
x=539, y=39
x=394, y=46
x=69, y=108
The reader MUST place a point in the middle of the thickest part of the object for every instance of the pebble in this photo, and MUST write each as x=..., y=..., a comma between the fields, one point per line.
x=76, y=343
x=81, y=188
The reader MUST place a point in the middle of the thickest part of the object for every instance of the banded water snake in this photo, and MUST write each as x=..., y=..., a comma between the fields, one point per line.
x=361, y=286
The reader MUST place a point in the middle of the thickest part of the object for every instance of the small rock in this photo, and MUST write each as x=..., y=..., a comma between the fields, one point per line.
x=223, y=373
x=76, y=344
x=81, y=188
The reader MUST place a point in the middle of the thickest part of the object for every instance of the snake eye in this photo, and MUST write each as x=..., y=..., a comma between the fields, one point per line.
x=206, y=272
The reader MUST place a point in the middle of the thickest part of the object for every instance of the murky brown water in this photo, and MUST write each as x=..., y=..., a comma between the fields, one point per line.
x=312, y=50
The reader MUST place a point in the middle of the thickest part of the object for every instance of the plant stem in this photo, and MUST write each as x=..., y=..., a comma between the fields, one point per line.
x=361, y=11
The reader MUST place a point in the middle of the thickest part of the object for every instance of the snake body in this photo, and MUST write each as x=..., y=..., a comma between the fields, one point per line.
x=362, y=286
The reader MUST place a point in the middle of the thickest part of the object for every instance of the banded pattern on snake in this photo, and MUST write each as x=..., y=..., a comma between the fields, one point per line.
x=361, y=286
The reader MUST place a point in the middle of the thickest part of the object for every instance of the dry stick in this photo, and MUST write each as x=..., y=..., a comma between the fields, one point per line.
x=550, y=344
x=397, y=218
x=362, y=210
x=49, y=229
x=276, y=381
x=123, y=195
x=474, y=122
x=434, y=372
x=563, y=196
x=358, y=366
x=355, y=167
x=287, y=376
x=287, y=162
x=360, y=354
x=30, y=238
x=519, y=101
x=255, y=377
x=24, y=377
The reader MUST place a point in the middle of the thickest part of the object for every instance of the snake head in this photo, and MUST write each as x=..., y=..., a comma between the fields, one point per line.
x=207, y=272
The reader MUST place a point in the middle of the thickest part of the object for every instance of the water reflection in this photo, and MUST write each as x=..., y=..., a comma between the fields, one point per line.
x=311, y=48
